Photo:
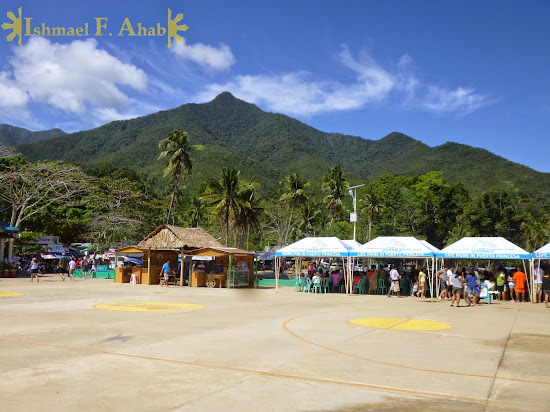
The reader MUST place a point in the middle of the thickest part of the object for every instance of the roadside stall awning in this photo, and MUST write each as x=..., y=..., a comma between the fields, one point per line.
x=315, y=247
x=395, y=247
x=542, y=253
x=480, y=248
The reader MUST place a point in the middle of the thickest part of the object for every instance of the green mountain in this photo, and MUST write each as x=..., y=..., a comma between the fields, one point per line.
x=13, y=136
x=268, y=146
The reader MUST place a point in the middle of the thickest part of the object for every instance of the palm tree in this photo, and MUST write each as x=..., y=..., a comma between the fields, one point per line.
x=250, y=211
x=176, y=146
x=335, y=188
x=370, y=204
x=293, y=195
x=198, y=208
x=310, y=218
x=224, y=194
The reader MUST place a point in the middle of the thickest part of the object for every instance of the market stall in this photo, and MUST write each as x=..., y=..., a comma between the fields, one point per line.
x=230, y=267
x=165, y=243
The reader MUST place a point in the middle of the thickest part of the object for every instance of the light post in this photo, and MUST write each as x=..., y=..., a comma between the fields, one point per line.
x=353, y=216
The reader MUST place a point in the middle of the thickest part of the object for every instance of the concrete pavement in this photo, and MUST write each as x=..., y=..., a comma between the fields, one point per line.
x=255, y=349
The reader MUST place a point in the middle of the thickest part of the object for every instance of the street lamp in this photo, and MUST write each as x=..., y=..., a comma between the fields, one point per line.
x=353, y=216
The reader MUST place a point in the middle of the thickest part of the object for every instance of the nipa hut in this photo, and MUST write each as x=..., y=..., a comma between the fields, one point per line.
x=166, y=242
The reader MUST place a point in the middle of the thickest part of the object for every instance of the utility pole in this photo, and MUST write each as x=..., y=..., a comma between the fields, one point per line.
x=353, y=216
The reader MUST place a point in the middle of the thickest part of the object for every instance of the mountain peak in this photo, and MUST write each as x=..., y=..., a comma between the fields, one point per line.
x=224, y=97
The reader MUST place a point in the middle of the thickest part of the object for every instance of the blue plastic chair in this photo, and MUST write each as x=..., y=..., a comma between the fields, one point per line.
x=298, y=286
x=382, y=288
x=316, y=287
x=361, y=288
x=325, y=285
x=306, y=286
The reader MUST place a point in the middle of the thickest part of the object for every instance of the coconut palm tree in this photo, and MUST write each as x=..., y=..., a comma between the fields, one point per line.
x=293, y=195
x=198, y=209
x=335, y=188
x=370, y=205
x=176, y=146
x=310, y=218
x=224, y=194
x=250, y=211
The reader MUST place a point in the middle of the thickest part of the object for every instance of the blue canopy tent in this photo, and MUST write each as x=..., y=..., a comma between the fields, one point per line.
x=329, y=247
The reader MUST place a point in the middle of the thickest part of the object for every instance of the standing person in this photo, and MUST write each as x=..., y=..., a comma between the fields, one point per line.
x=84, y=265
x=538, y=284
x=373, y=285
x=471, y=287
x=165, y=273
x=72, y=267
x=34, y=269
x=94, y=268
x=519, y=279
x=443, y=283
x=511, y=286
x=450, y=279
x=546, y=287
x=501, y=283
x=394, y=278
x=421, y=283
x=457, y=289
x=63, y=266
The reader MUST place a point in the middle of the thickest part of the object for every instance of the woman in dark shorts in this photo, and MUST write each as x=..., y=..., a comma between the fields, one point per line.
x=501, y=283
x=546, y=287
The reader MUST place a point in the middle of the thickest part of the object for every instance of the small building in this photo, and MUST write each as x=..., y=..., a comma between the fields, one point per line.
x=165, y=243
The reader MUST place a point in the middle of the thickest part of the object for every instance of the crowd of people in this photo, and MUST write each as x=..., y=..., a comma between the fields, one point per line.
x=65, y=266
x=454, y=284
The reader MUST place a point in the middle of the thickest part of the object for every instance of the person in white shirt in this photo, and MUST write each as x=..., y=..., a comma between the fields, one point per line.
x=34, y=269
x=72, y=266
x=538, y=283
x=450, y=277
x=394, y=277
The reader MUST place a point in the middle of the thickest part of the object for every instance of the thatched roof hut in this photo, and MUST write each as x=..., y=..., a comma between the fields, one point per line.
x=167, y=237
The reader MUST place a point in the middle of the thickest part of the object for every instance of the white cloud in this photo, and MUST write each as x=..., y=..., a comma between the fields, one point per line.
x=76, y=77
x=294, y=93
x=460, y=100
x=219, y=58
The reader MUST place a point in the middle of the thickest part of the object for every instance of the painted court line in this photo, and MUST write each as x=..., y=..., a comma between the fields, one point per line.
x=260, y=372
x=471, y=375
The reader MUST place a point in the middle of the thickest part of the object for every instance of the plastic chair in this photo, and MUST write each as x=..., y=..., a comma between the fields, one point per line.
x=382, y=288
x=339, y=288
x=404, y=286
x=133, y=279
x=316, y=287
x=299, y=284
x=325, y=285
x=306, y=285
x=361, y=288
x=487, y=293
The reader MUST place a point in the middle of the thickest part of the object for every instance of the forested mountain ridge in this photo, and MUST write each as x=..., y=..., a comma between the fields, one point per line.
x=12, y=135
x=268, y=146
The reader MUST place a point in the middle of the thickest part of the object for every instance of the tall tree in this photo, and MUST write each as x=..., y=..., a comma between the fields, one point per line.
x=176, y=146
x=294, y=194
x=310, y=218
x=334, y=188
x=224, y=194
x=370, y=204
x=250, y=211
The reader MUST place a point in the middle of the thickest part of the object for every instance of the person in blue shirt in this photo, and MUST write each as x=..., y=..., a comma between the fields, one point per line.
x=165, y=273
x=471, y=288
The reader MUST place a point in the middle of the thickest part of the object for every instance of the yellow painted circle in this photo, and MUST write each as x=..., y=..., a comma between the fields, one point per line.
x=11, y=294
x=401, y=324
x=149, y=306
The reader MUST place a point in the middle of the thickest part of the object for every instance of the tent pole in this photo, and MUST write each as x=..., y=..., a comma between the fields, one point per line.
x=528, y=285
x=277, y=260
x=181, y=267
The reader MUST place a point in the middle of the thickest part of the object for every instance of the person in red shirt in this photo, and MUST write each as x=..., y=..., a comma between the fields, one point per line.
x=519, y=279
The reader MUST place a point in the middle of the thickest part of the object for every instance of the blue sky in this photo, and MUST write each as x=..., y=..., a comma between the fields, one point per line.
x=470, y=72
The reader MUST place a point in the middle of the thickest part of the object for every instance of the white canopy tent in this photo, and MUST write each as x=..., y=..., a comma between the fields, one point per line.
x=397, y=247
x=538, y=255
x=484, y=248
x=329, y=247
